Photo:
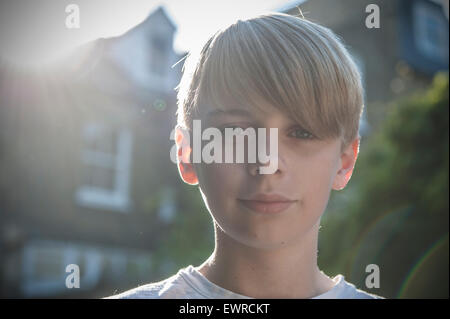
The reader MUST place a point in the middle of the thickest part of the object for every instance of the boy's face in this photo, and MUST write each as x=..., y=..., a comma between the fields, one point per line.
x=307, y=171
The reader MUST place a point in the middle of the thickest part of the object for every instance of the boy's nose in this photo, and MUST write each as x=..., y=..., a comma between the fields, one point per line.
x=254, y=169
x=268, y=151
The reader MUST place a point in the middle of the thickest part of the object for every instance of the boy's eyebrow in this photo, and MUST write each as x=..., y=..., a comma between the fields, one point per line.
x=240, y=112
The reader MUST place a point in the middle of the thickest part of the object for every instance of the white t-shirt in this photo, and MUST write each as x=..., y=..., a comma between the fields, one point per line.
x=189, y=283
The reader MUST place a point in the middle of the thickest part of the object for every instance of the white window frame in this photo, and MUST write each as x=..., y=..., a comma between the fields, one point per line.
x=116, y=199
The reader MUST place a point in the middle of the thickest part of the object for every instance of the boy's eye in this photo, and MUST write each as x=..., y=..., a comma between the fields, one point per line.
x=301, y=134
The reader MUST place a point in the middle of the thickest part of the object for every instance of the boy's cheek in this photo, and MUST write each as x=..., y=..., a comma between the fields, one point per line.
x=219, y=174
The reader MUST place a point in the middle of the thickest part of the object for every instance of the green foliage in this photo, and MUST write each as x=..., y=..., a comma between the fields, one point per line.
x=398, y=211
x=190, y=238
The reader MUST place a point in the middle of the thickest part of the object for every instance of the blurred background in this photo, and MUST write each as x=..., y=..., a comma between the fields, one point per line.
x=86, y=111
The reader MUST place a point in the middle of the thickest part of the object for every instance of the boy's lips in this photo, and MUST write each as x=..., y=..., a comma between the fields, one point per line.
x=267, y=203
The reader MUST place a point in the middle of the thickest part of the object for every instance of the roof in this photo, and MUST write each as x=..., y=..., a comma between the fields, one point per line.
x=290, y=5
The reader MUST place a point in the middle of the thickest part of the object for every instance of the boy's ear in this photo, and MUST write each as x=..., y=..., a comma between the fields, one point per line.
x=184, y=151
x=348, y=160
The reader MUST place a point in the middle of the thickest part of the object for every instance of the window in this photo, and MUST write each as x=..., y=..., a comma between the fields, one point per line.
x=42, y=270
x=106, y=158
x=430, y=31
x=44, y=262
x=158, y=58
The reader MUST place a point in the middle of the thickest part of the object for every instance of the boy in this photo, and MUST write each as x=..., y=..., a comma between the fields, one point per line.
x=270, y=71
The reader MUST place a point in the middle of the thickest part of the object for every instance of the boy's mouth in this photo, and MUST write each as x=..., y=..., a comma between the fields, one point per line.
x=267, y=203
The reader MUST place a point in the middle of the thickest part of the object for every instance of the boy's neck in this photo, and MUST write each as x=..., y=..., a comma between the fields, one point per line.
x=290, y=272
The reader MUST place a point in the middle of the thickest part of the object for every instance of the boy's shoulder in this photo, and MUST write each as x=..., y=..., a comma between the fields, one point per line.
x=346, y=290
x=171, y=288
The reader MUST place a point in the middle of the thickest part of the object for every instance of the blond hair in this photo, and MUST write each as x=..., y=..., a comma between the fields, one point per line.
x=296, y=65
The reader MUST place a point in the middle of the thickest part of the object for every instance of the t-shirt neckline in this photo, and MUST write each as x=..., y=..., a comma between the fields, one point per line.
x=210, y=290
